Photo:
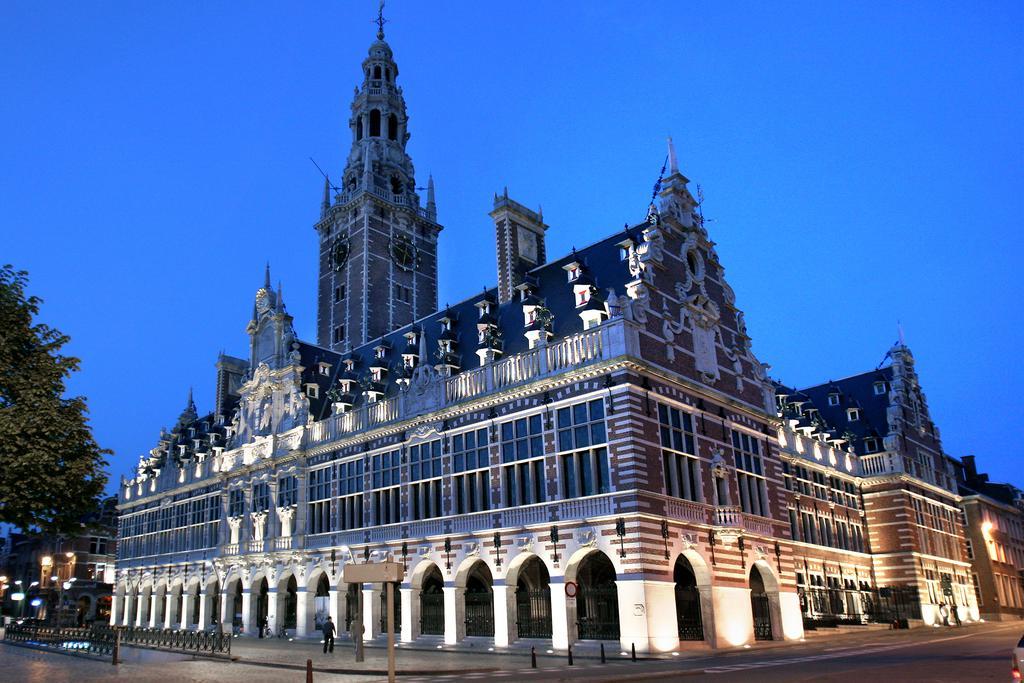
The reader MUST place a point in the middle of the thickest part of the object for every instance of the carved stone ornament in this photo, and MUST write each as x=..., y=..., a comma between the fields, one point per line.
x=719, y=468
x=472, y=549
x=525, y=543
x=689, y=539
x=586, y=538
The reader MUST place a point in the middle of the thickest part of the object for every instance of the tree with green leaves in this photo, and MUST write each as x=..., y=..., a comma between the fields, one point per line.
x=51, y=469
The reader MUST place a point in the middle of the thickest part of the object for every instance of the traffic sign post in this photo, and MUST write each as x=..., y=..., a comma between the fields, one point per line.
x=388, y=573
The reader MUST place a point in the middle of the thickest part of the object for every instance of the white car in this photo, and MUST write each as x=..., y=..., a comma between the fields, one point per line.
x=1018, y=660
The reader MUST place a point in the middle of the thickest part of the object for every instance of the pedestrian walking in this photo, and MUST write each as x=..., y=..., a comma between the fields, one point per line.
x=328, y=630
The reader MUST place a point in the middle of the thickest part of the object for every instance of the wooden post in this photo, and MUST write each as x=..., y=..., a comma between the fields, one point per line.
x=309, y=671
x=358, y=631
x=390, y=589
x=117, y=645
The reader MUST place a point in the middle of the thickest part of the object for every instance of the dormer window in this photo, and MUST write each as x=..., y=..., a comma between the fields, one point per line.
x=408, y=362
x=852, y=414
x=531, y=316
x=623, y=253
x=870, y=445
x=375, y=374
x=582, y=297
x=325, y=369
x=313, y=390
x=573, y=272
x=833, y=399
x=879, y=388
x=380, y=352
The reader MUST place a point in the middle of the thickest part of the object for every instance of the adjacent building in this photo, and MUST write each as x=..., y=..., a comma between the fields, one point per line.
x=994, y=522
x=588, y=451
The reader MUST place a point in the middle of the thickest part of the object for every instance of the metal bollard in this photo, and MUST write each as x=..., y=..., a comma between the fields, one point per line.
x=570, y=655
x=632, y=648
x=117, y=645
x=602, y=653
x=533, y=657
x=309, y=671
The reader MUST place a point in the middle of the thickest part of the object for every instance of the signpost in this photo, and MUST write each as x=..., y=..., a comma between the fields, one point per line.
x=388, y=573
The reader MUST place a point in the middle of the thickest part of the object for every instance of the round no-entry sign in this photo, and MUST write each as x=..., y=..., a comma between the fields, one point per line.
x=571, y=589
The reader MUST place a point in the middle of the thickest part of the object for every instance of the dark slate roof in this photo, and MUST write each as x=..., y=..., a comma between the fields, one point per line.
x=601, y=261
x=854, y=392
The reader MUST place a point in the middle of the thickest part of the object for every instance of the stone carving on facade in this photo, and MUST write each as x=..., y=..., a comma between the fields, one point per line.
x=472, y=549
x=586, y=538
x=286, y=515
x=525, y=544
x=259, y=525
x=235, y=524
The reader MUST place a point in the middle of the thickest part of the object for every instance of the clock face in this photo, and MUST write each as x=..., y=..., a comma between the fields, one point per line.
x=339, y=253
x=262, y=300
x=403, y=253
x=527, y=246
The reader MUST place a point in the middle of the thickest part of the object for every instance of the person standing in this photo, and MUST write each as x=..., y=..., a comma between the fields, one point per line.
x=328, y=630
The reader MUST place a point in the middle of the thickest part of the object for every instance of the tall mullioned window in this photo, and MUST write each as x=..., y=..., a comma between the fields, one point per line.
x=350, y=494
x=287, y=491
x=522, y=458
x=261, y=497
x=584, y=457
x=319, y=518
x=471, y=471
x=750, y=474
x=425, y=478
x=236, y=503
x=679, y=453
x=386, y=483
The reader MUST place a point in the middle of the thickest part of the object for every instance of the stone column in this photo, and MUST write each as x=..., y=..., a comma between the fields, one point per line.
x=186, y=609
x=559, y=617
x=204, y=608
x=501, y=614
x=334, y=609
x=662, y=625
x=248, y=627
x=272, y=609
x=129, y=609
x=632, y=615
x=454, y=614
x=154, y=600
x=792, y=622
x=406, y=632
x=303, y=612
x=734, y=618
x=115, y=605
x=140, y=609
x=371, y=611
x=168, y=607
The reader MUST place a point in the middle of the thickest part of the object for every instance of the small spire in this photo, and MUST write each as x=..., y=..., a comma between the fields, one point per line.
x=191, y=403
x=266, y=277
x=430, y=192
x=280, y=297
x=381, y=21
x=424, y=355
x=899, y=330
x=540, y=213
x=673, y=163
x=325, y=204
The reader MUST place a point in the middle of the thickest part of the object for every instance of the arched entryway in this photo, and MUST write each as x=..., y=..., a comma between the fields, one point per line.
x=351, y=606
x=261, y=604
x=759, y=606
x=597, y=600
x=103, y=604
x=688, y=611
x=177, y=600
x=479, y=601
x=234, y=605
x=432, y=603
x=212, y=604
x=533, y=600
x=82, y=613
x=321, y=602
x=384, y=608
x=287, y=603
x=160, y=608
x=194, y=598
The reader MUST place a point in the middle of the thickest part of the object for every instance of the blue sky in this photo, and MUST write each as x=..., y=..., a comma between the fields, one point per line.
x=862, y=164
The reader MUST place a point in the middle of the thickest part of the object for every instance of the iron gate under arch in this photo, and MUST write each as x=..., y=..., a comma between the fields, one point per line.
x=384, y=610
x=533, y=613
x=762, y=616
x=597, y=612
x=479, y=613
x=691, y=627
x=432, y=612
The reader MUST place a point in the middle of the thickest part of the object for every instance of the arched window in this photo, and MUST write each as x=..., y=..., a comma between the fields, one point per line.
x=376, y=72
x=374, y=123
x=359, y=128
x=392, y=127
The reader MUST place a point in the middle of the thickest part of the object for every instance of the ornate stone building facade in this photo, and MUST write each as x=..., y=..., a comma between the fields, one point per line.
x=588, y=451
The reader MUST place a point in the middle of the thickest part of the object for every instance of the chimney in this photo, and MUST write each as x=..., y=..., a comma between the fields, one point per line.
x=519, y=234
x=970, y=468
x=230, y=376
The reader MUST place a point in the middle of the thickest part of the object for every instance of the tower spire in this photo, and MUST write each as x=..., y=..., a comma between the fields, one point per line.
x=431, y=205
x=266, y=277
x=673, y=163
x=325, y=204
x=381, y=21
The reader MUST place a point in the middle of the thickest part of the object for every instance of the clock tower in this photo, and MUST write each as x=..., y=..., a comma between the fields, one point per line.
x=378, y=244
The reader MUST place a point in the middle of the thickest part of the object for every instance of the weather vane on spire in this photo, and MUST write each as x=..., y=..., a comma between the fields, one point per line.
x=381, y=21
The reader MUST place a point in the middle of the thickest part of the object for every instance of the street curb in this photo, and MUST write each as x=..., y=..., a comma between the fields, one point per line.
x=364, y=672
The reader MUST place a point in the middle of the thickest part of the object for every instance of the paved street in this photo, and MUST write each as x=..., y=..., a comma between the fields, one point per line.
x=977, y=653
